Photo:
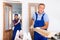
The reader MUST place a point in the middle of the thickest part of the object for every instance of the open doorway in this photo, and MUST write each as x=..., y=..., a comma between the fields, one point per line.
x=9, y=11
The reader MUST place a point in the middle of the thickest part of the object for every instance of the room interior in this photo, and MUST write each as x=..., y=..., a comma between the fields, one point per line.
x=51, y=5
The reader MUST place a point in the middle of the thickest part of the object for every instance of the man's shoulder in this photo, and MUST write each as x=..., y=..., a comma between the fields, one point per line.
x=44, y=13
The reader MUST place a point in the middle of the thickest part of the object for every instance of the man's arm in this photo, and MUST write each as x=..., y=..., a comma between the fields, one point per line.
x=32, y=23
x=17, y=22
x=46, y=25
x=46, y=21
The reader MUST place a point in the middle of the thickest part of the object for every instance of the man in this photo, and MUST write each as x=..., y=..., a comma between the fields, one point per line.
x=40, y=20
x=17, y=25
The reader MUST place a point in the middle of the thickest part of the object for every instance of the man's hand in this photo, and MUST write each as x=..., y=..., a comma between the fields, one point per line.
x=42, y=32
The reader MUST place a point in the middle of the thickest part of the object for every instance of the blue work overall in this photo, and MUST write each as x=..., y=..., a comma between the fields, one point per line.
x=17, y=27
x=39, y=23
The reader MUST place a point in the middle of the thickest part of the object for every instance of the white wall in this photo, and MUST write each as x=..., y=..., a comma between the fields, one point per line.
x=53, y=11
x=1, y=21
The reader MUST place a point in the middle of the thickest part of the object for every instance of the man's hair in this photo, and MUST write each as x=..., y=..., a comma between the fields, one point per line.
x=41, y=4
x=16, y=15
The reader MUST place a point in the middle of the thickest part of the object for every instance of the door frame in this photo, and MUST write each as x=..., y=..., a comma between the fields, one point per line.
x=5, y=4
x=29, y=10
x=30, y=19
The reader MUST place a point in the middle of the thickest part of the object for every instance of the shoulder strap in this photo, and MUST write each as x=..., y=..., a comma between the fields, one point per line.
x=43, y=15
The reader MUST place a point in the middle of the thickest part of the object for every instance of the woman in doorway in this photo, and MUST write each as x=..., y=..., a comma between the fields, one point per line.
x=17, y=25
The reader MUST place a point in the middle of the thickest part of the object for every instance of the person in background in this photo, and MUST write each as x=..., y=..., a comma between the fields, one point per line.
x=40, y=20
x=17, y=25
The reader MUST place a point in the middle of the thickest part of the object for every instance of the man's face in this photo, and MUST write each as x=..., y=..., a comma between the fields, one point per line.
x=41, y=8
x=16, y=17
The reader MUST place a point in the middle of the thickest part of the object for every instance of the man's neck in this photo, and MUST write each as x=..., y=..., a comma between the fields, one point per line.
x=16, y=18
x=40, y=13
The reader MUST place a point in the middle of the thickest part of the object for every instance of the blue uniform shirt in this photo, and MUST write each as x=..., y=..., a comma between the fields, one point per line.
x=46, y=19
